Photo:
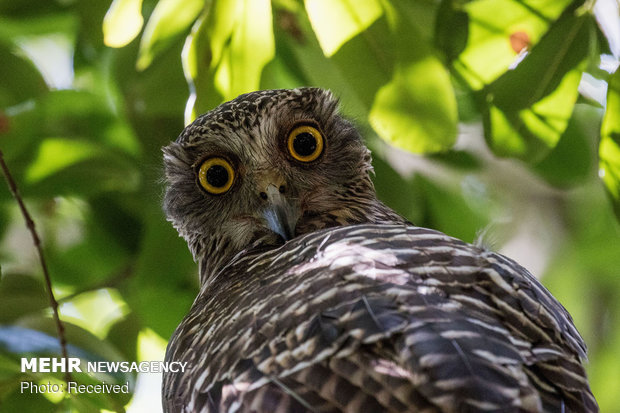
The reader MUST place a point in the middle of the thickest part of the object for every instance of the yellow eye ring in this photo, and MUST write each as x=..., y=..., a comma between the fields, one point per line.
x=305, y=143
x=216, y=175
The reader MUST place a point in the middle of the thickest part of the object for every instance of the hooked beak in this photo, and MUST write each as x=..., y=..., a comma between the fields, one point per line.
x=281, y=216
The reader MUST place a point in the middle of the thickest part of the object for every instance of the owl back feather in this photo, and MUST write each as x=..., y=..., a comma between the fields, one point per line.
x=376, y=318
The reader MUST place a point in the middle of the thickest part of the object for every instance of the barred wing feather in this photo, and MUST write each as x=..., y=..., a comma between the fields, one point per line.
x=376, y=318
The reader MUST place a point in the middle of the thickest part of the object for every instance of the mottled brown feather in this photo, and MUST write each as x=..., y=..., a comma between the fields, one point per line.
x=360, y=311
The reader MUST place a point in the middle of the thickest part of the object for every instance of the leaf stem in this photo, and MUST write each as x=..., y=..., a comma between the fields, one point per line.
x=37, y=243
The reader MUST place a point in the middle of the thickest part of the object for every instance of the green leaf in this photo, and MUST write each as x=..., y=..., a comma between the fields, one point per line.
x=20, y=80
x=67, y=113
x=337, y=21
x=413, y=120
x=169, y=19
x=609, y=149
x=69, y=142
x=122, y=22
x=572, y=160
x=561, y=50
x=71, y=166
x=498, y=31
x=528, y=123
x=235, y=40
x=299, y=52
x=97, y=246
x=13, y=30
x=452, y=29
x=379, y=76
x=56, y=154
x=416, y=109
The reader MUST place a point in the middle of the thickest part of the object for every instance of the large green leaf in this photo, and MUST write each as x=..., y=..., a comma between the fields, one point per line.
x=69, y=142
x=452, y=29
x=498, y=30
x=414, y=121
x=561, y=50
x=169, y=19
x=406, y=90
x=527, y=109
x=64, y=114
x=299, y=54
x=20, y=80
x=337, y=21
x=122, y=22
x=609, y=150
x=226, y=52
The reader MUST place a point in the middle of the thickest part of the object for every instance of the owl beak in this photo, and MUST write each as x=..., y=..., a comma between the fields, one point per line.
x=280, y=215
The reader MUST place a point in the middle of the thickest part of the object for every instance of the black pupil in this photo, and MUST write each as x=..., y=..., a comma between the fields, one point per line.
x=304, y=144
x=217, y=176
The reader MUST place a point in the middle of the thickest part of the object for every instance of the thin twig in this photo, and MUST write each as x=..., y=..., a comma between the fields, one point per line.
x=37, y=243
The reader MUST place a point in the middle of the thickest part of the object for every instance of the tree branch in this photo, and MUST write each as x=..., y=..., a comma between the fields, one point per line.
x=37, y=243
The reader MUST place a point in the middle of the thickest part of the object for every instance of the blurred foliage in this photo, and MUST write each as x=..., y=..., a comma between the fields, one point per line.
x=91, y=90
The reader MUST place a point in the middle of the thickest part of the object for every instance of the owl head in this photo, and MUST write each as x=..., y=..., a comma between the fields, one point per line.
x=264, y=168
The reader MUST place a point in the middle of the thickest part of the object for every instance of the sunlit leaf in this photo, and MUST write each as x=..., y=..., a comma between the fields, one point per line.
x=58, y=141
x=251, y=47
x=122, y=22
x=337, y=21
x=415, y=121
x=416, y=109
x=609, y=150
x=498, y=31
x=300, y=52
x=170, y=18
x=561, y=50
x=226, y=53
x=528, y=124
x=380, y=77
x=57, y=154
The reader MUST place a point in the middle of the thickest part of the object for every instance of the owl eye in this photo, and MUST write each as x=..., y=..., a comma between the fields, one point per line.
x=216, y=175
x=305, y=143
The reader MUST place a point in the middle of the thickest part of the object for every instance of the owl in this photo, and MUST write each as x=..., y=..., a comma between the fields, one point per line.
x=317, y=297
